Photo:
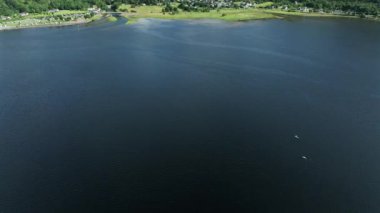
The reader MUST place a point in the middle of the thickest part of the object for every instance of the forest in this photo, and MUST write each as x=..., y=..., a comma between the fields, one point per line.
x=11, y=7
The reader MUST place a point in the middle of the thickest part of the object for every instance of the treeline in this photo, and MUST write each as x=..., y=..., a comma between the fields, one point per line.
x=10, y=7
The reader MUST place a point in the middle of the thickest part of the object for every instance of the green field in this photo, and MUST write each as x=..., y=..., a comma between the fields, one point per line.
x=312, y=14
x=226, y=14
x=61, y=12
x=136, y=13
x=111, y=19
x=264, y=4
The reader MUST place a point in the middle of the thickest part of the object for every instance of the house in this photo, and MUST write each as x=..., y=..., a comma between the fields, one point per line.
x=245, y=5
x=53, y=10
x=221, y=4
x=304, y=10
x=94, y=10
x=338, y=12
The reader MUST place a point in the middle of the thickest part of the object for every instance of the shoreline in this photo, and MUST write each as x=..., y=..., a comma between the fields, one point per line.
x=32, y=22
x=228, y=15
x=45, y=25
x=319, y=15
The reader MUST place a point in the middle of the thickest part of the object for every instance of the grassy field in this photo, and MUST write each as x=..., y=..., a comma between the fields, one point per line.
x=136, y=13
x=314, y=14
x=96, y=17
x=225, y=14
x=61, y=12
x=111, y=19
x=264, y=4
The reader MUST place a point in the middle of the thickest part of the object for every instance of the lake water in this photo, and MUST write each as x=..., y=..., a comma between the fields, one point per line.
x=191, y=116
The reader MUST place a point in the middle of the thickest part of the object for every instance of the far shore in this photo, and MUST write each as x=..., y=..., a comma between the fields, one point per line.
x=34, y=21
x=133, y=14
x=45, y=25
x=226, y=14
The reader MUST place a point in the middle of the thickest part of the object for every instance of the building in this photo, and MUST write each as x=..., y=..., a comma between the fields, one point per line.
x=94, y=10
x=53, y=10
x=304, y=9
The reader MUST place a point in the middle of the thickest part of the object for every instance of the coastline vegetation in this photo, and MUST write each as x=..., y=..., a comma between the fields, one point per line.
x=310, y=14
x=111, y=19
x=64, y=17
x=226, y=14
x=264, y=10
x=34, y=13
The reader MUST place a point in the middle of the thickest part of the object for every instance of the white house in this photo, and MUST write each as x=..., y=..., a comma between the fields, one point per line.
x=53, y=10
x=304, y=9
x=94, y=10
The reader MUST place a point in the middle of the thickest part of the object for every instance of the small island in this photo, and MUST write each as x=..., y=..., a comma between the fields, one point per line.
x=21, y=14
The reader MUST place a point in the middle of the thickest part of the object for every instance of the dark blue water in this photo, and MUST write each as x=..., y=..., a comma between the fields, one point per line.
x=179, y=116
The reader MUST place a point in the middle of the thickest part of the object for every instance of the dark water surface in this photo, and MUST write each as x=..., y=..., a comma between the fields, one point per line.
x=179, y=116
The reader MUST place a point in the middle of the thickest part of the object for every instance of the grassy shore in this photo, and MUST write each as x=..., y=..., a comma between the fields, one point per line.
x=138, y=12
x=67, y=17
x=57, y=24
x=135, y=13
x=283, y=13
x=311, y=14
x=223, y=14
x=111, y=19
